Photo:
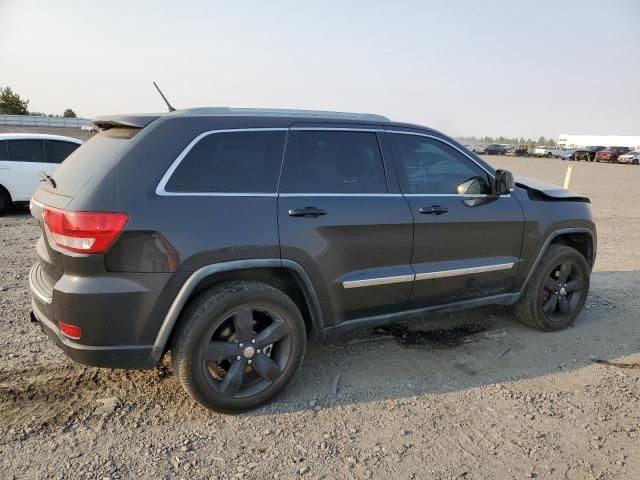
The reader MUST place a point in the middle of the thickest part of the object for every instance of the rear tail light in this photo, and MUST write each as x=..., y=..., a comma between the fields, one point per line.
x=84, y=232
x=71, y=331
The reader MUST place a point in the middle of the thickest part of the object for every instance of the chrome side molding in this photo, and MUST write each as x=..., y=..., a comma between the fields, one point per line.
x=369, y=282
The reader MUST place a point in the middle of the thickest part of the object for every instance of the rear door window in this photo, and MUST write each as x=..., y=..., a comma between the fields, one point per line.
x=26, y=151
x=231, y=162
x=58, y=150
x=333, y=162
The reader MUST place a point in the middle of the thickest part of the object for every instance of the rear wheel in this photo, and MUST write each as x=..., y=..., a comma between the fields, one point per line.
x=239, y=343
x=557, y=290
x=5, y=201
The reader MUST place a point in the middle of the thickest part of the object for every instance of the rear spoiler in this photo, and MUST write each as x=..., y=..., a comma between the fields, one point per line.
x=126, y=121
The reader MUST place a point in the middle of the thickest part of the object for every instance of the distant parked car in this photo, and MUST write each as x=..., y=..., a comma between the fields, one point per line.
x=557, y=152
x=479, y=149
x=611, y=154
x=588, y=154
x=631, y=157
x=517, y=151
x=22, y=157
x=542, y=151
x=89, y=128
x=494, y=149
x=569, y=154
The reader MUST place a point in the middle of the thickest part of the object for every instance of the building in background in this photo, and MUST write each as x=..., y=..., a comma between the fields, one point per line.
x=571, y=141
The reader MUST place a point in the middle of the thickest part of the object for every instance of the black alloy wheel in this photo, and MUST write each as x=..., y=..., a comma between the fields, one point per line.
x=557, y=290
x=246, y=352
x=238, y=344
x=562, y=291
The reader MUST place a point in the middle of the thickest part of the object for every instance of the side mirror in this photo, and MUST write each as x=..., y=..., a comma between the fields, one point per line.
x=473, y=186
x=505, y=183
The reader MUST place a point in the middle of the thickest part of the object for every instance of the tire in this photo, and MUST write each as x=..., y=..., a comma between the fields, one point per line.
x=5, y=201
x=537, y=308
x=227, y=319
x=635, y=161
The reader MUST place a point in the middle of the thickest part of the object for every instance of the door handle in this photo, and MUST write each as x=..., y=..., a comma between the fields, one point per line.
x=306, y=212
x=433, y=210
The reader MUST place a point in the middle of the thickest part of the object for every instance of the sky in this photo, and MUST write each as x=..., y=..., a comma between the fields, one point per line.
x=497, y=68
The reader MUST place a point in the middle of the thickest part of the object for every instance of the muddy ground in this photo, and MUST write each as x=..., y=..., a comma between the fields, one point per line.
x=474, y=395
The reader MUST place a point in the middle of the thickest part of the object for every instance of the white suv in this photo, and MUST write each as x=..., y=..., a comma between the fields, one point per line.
x=22, y=157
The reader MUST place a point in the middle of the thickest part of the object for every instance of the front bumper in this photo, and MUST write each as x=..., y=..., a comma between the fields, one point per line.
x=626, y=160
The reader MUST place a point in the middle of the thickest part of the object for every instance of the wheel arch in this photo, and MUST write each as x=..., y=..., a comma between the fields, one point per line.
x=7, y=191
x=581, y=239
x=286, y=275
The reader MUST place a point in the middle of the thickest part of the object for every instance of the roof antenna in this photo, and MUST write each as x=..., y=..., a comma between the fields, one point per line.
x=171, y=109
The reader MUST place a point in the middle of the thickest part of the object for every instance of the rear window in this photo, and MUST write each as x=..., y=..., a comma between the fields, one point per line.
x=231, y=162
x=4, y=150
x=94, y=156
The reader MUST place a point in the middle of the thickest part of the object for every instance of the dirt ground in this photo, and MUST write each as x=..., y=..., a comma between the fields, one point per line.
x=474, y=395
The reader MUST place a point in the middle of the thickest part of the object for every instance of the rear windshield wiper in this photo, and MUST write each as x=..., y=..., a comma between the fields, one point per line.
x=47, y=178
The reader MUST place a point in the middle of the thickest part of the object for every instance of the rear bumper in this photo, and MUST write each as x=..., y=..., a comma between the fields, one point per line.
x=113, y=356
x=110, y=314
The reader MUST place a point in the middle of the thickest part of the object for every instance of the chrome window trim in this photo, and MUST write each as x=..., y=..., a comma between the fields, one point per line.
x=161, y=187
x=338, y=129
x=216, y=194
x=463, y=271
x=369, y=282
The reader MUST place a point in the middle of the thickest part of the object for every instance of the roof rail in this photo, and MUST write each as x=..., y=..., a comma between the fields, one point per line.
x=283, y=113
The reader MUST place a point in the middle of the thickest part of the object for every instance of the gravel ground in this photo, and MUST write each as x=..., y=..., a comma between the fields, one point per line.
x=474, y=395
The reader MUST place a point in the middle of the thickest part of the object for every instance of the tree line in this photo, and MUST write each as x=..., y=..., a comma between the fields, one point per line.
x=11, y=103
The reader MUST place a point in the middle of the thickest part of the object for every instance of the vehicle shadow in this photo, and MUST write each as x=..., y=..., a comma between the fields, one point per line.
x=465, y=350
x=18, y=210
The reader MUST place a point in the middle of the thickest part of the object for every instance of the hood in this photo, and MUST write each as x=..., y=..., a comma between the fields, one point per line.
x=548, y=190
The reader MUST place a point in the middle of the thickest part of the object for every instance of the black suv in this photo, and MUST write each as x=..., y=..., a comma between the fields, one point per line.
x=232, y=236
x=495, y=149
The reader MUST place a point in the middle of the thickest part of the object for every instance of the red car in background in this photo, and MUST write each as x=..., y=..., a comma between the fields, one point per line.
x=611, y=154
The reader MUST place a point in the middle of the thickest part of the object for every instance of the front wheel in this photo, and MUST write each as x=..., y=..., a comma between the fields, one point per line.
x=238, y=344
x=557, y=290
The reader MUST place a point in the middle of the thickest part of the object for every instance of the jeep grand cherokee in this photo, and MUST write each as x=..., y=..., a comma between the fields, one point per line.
x=231, y=237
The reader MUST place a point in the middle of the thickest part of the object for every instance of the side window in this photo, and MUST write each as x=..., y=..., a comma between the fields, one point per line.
x=429, y=166
x=26, y=151
x=4, y=150
x=59, y=150
x=333, y=162
x=231, y=162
